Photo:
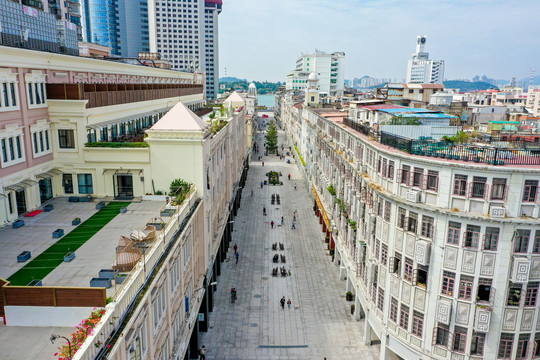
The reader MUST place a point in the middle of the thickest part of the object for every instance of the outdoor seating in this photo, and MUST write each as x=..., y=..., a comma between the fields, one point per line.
x=274, y=246
x=281, y=246
x=275, y=258
x=146, y=235
x=283, y=271
x=127, y=255
x=282, y=258
x=274, y=271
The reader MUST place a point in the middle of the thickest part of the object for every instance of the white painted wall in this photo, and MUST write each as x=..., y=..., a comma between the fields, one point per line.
x=47, y=316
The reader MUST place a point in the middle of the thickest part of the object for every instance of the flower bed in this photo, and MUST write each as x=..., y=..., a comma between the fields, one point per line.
x=82, y=331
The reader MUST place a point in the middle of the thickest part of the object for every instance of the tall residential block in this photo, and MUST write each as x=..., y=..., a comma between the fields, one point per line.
x=189, y=40
x=329, y=68
x=422, y=70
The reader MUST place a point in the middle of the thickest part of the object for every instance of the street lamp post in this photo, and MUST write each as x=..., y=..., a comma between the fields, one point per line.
x=54, y=337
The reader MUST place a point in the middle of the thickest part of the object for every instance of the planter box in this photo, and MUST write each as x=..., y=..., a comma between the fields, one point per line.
x=48, y=207
x=85, y=199
x=74, y=199
x=75, y=222
x=108, y=273
x=58, y=233
x=69, y=256
x=100, y=205
x=123, y=210
x=17, y=224
x=35, y=283
x=120, y=278
x=167, y=212
x=25, y=255
x=155, y=197
x=100, y=282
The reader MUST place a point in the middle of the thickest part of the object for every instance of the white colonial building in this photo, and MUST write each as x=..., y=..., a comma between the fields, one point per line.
x=442, y=255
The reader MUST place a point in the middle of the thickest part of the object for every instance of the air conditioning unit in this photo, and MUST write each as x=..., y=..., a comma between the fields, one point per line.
x=422, y=252
x=520, y=270
x=414, y=196
x=497, y=211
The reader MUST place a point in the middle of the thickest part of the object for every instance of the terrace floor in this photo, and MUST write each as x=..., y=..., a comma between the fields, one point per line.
x=95, y=254
x=20, y=343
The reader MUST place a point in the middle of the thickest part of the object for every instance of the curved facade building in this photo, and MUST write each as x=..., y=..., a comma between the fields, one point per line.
x=442, y=256
x=101, y=23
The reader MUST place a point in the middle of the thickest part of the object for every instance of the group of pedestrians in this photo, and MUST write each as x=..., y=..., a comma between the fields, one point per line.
x=282, y=303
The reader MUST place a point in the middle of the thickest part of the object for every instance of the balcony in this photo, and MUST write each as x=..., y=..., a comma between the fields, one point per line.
x=114, y=94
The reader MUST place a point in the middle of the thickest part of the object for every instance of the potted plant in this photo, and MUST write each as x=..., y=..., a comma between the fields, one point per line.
x=69, y=256
x=352, y=309
x=327, y=239
x=76, y=221
x=348, y=296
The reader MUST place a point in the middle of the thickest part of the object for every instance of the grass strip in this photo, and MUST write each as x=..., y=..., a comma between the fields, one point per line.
x=47, y=261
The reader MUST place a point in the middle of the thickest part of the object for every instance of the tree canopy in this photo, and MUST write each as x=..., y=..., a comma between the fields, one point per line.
x=400, y=120
x=271, y=138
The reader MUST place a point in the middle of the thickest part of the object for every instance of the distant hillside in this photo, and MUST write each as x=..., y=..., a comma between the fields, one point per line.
x=242, y=85
x=467, y=85
x=230, y=79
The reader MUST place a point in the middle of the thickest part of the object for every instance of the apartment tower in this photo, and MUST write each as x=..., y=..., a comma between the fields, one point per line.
x=422, y=70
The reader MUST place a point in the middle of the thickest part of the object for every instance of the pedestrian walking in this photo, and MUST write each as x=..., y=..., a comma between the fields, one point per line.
x=263, y=163
x=264, y=211
x=272, y=224
x=252, y=192
x=282, y=302
x=289, y=176
x=294, y=216
x=289, y=303
x=237, y=256
x=202, y=353
x=282, y=221
x=294, y=186
x=293, y=226
x=235, y=247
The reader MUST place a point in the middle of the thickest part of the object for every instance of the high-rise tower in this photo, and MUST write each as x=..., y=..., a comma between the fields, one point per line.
x=186, y=33
x=422, y=70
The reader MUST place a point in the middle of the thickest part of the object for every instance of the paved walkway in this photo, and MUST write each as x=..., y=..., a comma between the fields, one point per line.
x=319, y=323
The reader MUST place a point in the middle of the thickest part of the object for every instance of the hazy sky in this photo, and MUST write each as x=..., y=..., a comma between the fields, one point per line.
x=261, y=39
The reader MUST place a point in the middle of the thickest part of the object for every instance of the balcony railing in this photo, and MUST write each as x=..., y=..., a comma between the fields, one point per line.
x=464, y=152
x=114, y=94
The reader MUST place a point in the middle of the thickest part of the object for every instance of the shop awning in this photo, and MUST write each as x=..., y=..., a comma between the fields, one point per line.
x=325, y=217
x=49, y=174
x=21, y=185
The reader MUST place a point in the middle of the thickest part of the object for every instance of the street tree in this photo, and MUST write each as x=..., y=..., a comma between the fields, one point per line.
x=271, y=138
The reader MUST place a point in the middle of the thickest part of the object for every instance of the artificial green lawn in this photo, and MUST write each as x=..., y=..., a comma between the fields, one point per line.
x=48, y=260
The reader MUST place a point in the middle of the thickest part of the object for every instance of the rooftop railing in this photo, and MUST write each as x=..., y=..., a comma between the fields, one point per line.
x=489, y=155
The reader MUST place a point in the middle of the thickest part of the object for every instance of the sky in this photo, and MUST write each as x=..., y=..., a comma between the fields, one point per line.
x=261, y=39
